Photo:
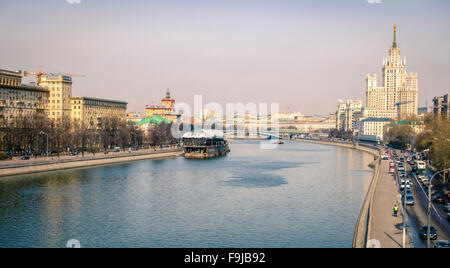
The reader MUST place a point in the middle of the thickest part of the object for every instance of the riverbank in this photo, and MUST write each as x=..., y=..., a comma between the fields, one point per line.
x=63, y=163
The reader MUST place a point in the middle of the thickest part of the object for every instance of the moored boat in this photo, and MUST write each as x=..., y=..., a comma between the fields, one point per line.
x=205, y=144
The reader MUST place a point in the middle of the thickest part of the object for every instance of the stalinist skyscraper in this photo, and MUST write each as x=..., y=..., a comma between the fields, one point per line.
x=398, y=95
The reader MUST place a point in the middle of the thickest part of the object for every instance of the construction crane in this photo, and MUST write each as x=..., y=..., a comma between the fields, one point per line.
x=40, y=73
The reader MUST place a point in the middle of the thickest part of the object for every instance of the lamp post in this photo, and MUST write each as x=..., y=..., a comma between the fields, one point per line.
x=429, y=205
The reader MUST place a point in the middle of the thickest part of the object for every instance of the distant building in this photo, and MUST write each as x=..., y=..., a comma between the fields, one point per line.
x=91, y=111
x=348, y=114
x=134, y=117
x=166, y=109
x=17, y=99
x=398, y=95
x=417, y=126
x=441, y=105
x=372, y=129
x=60, y=88
x=423, y=111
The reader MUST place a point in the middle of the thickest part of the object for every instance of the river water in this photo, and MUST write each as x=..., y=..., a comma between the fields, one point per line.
x=298, y=195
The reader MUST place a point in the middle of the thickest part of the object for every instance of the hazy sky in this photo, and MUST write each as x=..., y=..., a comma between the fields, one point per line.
x=304, y=54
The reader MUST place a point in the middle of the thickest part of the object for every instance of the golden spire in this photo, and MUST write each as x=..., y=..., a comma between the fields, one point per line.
x=394, y=45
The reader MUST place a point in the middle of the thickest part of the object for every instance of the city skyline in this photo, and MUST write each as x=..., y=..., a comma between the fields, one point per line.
x=238, y=51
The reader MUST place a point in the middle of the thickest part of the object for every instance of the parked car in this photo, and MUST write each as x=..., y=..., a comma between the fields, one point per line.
x=25, y=157
x=5, y=156
x=72, y=154
x=117, y=149
x=438, y=198
x=423, y=233
x=442, y=244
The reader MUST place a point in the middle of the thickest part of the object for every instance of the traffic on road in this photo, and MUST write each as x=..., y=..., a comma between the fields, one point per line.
x=413, y=177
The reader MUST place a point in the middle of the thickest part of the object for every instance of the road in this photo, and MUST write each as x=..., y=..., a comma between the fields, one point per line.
x=418, y=213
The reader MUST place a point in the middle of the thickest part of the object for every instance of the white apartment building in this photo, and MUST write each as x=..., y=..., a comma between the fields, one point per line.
x=398, y=95
x=348, y=114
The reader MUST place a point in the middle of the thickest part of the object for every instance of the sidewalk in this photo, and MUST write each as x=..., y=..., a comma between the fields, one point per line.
x=43, y=160
x=73, y=162
x=385, y=228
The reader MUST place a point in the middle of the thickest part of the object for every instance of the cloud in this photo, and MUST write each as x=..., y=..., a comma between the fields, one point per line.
x=74, y=1
x=374, y=1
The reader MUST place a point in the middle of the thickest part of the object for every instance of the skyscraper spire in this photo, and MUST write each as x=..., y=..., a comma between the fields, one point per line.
x=394, y=45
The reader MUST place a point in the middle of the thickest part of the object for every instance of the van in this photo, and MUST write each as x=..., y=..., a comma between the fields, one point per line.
x=421, y=165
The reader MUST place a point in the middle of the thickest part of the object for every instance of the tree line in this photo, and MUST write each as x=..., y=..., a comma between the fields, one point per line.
x=37, y=135
x=436, y=138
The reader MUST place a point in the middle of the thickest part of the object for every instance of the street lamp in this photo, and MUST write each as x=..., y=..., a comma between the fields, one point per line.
x=429, y=205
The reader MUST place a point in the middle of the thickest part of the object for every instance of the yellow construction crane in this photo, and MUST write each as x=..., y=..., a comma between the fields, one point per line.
x=40, y=73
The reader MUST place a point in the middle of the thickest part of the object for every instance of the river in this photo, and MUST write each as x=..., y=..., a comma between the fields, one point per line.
x=298, y=195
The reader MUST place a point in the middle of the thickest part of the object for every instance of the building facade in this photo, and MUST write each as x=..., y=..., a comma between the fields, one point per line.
x=90, y=111
x=441, y=105
x=166, y=109
x=372, y=129
x=398, y=95
x=17, y=99
x=60, y=89
x=348, y=114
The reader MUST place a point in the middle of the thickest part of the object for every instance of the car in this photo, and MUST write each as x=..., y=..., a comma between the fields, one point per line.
x=409, y=201
x=438, y=198
x=423, y=233
x=25, y=157
x=6, y=157
x=442, y=244
x=385, y=157
x=447, y=208
x=408, y=193
x=117, y=149
x=72, y=154
x=448, y=216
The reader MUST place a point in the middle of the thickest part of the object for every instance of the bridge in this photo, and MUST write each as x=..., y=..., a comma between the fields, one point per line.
x=271, y=134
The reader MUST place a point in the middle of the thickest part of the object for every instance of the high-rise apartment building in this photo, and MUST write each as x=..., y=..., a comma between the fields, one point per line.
x=17, y=99
x=348, y=114
x=60, y=89
x=441, y=105
x=90, y=111
x=398, y=95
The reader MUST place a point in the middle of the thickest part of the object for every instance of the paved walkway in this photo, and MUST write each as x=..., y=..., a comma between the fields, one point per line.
x=383, y=226
x=63, y=158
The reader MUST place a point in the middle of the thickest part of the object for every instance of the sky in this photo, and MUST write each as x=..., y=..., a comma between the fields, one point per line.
x=302, y=54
